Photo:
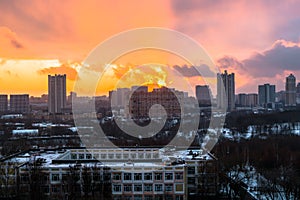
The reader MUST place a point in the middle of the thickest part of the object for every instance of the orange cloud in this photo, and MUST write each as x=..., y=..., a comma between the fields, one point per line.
x=65, y=68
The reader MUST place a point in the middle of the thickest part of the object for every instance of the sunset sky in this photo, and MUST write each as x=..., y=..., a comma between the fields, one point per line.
x=258, y=40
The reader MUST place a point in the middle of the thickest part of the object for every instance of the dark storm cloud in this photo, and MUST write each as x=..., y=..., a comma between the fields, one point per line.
x=268, y=63
x=274, y=61
x=191, y=71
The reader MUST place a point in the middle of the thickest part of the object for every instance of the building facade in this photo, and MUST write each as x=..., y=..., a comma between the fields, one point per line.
x=251, y=100
x=226, y=91
x=203, y=94
x=298, y=93
x=3, y=103
x=266, y=95
x=56, y=93
x=290, y=90
x=19, y=103
x=118, y=174
x=141, y=101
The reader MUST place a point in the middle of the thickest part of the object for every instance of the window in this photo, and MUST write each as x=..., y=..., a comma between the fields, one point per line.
x=127, y=198
x=141, y=155
x=191, y=180
x=179, y=187
x=88, y=156
x=117, y=188
x=133, y=155
x=138, y=197
x=81, y=156
x=178, y=175
x=74, y=156
x=148, y=176
x=117, y=176
x=118, y=156
x=103, y=156
x=65, y=177
x=158, y=187
x=45, y=189
x=169, y=187
x=169, y=197
x=148, y=197
x=179, y=197
x=138, y=188
x=191, y=170
x=127, y=176
x=55, y=189
x=127, y=188
x=148, y=188
x=137, y=176
x=158, y=176
x=158, y=197
x=55, y=177
x=110, y=156
x=168, y=176
x=125, y=156
x=117, y=197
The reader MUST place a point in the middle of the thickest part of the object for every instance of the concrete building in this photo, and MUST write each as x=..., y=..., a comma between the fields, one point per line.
x=203, y=94
x=19, y=103
x=56, y=93
x=128, y=173
x=3, y=103
x=298, y=93
x=251, y=100
x=226, y=91
x=140, y=102
x=266, y=95
x=290, y=90
x=241, y=100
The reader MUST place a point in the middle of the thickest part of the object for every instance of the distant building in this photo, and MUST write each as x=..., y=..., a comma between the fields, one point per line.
x=56, y=93
x=226, y=91
x=203, y=94
x=241, y=99
x=247, y=100
x=139, y=88
x=140, y=102
x=252, y=100
x=19, y=103
x=298, y=93
x=266, y=95
x=290, y=91
x=3, y=103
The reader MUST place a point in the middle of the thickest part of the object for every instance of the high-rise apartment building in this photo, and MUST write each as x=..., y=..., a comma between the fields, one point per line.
x=203, y=94
x=251, y=100
x=3, y=103
x=298, y=93
x=290, y=90
x=226, y=91
x=266, y=94
x=56, y=93
x=19, y=103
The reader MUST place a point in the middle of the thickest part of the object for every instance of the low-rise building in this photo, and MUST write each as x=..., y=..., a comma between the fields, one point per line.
x=128, y=173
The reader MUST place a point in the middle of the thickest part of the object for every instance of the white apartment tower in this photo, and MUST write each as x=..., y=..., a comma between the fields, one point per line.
x=226, y=91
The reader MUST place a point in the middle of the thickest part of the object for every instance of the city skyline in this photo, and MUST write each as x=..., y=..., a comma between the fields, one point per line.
x=258, y=48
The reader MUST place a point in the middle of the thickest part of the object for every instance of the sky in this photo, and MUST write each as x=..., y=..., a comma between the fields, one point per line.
x=258, y=40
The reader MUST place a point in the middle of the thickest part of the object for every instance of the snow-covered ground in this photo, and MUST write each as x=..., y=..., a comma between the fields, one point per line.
x=262, y=131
